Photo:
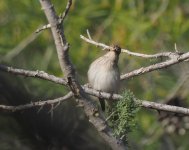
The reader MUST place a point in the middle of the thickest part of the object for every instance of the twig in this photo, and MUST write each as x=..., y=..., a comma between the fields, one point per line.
x=62, y=48
x=47, y=26
x=36, y=104
x=65, y=13
x=176, y=50
x=156, y=66
x=144, y=103
x=61, y=18
x=131, y=74
x=89, y=40
x=158, y=55
x=88, y=34
x=110, y=115
x=36, y=74
x=57, y=80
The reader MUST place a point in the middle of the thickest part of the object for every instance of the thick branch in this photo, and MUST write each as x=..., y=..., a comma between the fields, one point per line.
x=57, y=80
x=62, y=48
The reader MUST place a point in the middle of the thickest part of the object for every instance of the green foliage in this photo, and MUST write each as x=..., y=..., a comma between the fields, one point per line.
x=123, y=114
x=141, y=26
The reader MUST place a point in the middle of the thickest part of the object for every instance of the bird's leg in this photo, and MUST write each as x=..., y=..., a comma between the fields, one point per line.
x=100, y=95
x=101, y=100
x=111, y=95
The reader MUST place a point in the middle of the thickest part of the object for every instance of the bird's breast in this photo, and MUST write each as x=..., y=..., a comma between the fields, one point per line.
x=104, y=77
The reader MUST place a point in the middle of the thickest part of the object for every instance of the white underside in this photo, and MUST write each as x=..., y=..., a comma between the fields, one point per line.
x=104, y=79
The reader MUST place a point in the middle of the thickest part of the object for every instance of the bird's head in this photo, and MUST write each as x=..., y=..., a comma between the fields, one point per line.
x=117, y=49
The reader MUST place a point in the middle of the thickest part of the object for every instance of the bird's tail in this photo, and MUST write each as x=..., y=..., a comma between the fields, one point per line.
x=102, y=103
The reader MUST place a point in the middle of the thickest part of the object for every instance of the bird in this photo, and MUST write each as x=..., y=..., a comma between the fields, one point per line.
x=104, y=74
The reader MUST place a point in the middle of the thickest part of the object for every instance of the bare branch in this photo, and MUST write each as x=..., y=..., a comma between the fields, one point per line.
x=137, y=72
x=88, y=34
x=47, y=26
x=65, y=13
x=174, y=59
x=61, y=18
x=36, y=74
x=165, y=107
x=104, y=46
x=144, y=103
x=62, y=48
x=57, y=80
x=89, y=40
x=156, y=66
x=36, y=104
x=176, y=50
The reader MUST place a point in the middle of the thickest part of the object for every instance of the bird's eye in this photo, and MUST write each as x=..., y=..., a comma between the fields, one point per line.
x=117, y=49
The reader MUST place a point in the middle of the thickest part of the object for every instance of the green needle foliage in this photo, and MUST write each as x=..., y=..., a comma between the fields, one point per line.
x=123, y=114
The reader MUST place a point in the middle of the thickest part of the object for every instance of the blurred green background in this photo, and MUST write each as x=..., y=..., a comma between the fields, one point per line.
x=143, y=26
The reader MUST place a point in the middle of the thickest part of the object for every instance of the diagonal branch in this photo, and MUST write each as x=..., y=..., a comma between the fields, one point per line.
x=57, y=80
x=44, y=27
x=62, y=48
x=174, y=59
x=143, y=103
x=65, y=13
x=158, y=55
x=36, y=74
x=156, y=66
x=61, y=18
x=36, y=104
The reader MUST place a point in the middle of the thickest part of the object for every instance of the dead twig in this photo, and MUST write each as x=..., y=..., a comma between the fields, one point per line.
x=61, y=18
x=170, y=55
x=36, y=104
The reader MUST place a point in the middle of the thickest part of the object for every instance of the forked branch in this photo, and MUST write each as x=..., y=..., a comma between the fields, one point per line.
x=57, y=80
x=158, y=55
x=62, y=48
